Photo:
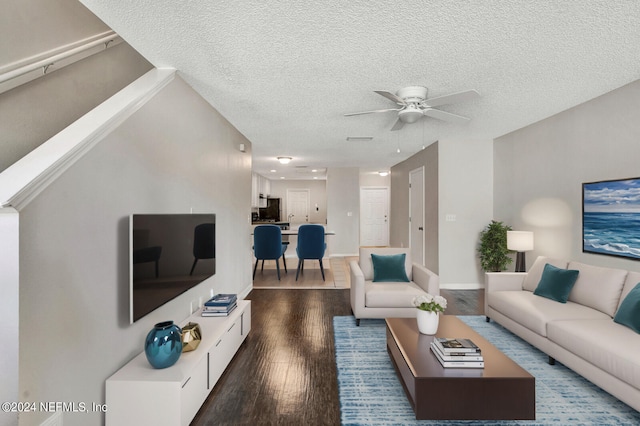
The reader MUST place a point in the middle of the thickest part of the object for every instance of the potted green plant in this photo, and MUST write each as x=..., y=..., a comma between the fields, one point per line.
x=494, y=254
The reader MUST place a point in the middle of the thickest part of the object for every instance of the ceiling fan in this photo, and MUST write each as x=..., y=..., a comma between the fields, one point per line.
x=413, y=104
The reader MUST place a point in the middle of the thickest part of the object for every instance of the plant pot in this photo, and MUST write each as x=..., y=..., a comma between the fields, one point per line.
x=427, y=322
x=163, y=344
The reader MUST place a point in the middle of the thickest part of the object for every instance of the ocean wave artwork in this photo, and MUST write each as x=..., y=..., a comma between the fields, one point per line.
x=611, y=217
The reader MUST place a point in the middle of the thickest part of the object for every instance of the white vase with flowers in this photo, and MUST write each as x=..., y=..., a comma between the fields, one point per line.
x=428, y=315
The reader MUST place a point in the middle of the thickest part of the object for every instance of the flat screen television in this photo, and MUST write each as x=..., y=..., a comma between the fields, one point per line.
x=168, y=255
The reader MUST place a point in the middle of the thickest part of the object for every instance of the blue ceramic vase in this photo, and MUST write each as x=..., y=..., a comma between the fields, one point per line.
x=163, y=344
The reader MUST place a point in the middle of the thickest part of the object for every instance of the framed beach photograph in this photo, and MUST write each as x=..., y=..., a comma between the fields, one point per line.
x=611, y=217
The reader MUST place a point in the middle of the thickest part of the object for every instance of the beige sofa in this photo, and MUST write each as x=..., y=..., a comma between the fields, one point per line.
x=581, y=333
x=388, y=299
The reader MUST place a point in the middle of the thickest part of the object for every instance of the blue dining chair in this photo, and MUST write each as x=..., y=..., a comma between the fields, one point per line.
x=311, y=245
x=267, y=245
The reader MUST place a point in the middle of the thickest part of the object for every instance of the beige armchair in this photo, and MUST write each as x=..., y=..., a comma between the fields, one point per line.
x=388, y=299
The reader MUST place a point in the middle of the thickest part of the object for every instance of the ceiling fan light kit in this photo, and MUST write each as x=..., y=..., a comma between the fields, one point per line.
x=413, y=104
x=409, y=115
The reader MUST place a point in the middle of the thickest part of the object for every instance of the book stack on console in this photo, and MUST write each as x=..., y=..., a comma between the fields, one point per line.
x=220, y=305
x=457, y=353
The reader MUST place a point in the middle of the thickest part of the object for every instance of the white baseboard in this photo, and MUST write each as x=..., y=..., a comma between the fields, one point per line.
x=462, y=286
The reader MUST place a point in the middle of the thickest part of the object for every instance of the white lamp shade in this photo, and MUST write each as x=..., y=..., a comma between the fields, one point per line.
x=520, y=240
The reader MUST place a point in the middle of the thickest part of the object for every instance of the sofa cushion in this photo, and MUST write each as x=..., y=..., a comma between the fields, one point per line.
x=603, y=343
x=633, y=278
x=389, y=268
x=629, y=312
x=556, y=283
x=597, y=287
x=366, y=265
x=390, y=294
x=534, y=312
x=535, y=272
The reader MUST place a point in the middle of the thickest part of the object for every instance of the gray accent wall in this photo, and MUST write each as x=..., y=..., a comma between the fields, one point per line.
x=539, y=171
x=399, y=212
x=176, y=154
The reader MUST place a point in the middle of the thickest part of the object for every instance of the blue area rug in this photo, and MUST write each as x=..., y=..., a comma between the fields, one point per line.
x=371, y=394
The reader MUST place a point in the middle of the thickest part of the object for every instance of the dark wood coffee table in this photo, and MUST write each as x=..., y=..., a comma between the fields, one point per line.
x=502, y=390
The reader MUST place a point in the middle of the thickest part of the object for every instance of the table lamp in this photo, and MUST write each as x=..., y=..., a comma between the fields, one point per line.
x=520, y=242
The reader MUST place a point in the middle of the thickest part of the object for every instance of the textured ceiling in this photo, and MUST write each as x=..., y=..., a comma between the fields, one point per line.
x=285, y=72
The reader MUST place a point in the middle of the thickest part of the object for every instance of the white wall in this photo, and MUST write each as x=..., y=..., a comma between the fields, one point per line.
x=9, y=312
x=343, y=211
x=32, y=113
x=317, y=195
x=539, y=171
x=174, y=155
x=465, y=176
x=458, y=181
x=368, y=178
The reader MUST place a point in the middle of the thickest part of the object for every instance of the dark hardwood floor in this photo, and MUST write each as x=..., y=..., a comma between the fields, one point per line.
x=284, y=372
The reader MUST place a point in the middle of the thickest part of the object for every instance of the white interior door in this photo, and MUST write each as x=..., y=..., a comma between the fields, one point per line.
x=374, y=216
x=298, y=206
x=416, y=211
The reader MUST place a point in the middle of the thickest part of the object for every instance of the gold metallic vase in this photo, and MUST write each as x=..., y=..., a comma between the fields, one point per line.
x=191, y=337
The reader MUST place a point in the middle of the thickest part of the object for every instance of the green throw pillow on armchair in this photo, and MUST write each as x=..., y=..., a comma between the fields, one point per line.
x=556, y=283
x=629, y=311
x=389, y=268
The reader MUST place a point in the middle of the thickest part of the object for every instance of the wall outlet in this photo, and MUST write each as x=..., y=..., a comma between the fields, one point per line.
x=450, y=217
x=194, y=306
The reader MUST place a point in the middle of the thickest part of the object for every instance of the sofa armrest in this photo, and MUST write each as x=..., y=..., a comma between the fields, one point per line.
x=428, y=280
x=501, y=281
x=357, y=288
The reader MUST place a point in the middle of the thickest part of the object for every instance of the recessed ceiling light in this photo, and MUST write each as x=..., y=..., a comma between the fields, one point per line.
x=383, y=173
x=273, y=170
x=284, y=160
x=314, y=171
x=281, y=177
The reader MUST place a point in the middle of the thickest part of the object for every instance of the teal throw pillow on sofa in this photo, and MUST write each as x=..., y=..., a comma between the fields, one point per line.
x=556, y=283
x=629, y=311
x=389, y=268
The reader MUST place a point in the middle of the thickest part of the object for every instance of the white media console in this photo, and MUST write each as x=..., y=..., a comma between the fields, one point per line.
x=139, y=394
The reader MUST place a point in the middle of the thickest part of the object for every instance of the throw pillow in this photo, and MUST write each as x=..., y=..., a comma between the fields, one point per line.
x=389, y=268
x=556, y=283
x=629, y=312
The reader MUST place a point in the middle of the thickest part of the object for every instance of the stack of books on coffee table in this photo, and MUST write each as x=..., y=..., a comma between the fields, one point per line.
x=220, y=305
x=457, y=353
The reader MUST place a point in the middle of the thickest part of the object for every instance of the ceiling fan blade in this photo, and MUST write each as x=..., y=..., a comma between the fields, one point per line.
x=445, y=116
x=391, y=97
x=371, y=112
x=399, y=125
x=453, y=98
